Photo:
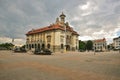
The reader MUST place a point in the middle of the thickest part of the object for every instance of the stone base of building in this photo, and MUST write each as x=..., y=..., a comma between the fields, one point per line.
x=55, y=49
x=62, y=50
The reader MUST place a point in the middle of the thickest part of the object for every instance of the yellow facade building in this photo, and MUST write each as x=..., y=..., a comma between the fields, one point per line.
x=56, y=37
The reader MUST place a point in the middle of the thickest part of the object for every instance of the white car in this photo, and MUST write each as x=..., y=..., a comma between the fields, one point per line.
x=118, y=47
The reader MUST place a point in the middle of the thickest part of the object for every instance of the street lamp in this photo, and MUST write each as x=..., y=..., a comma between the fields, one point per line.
x=118, y=48
x=94, y=50
x=65, y=39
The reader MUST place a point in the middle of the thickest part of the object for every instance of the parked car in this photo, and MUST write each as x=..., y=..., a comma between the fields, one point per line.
x=20, y=50
x=118, y=47
x=43, y=52
x=47, y=52
x=98, y=51
x=81, y=50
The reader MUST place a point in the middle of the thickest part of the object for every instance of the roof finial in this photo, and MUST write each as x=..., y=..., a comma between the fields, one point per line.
x=62, y=13
x=62, y=17
x=57, y=20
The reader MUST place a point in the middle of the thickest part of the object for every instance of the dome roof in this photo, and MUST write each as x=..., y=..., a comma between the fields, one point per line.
x=62, y=14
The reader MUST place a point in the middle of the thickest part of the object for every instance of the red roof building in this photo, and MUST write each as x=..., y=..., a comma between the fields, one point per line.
x=55, y=37
x=50, y=28
x=100, y=44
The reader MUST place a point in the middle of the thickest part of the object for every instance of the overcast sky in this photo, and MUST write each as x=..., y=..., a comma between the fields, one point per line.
x=92, y=19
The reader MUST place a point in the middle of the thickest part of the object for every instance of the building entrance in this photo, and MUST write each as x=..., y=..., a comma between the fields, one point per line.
x=68, y=47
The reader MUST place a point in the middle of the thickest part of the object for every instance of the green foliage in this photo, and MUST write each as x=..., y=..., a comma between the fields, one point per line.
x=89, y=45
x=6, y=45
x=82, y=45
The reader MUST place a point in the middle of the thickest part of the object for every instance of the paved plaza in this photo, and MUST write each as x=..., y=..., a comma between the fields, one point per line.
x=60, y=66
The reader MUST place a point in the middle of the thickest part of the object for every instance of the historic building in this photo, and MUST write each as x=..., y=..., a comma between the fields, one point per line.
x=116, y=42
x=56, y=37
x=100, y=45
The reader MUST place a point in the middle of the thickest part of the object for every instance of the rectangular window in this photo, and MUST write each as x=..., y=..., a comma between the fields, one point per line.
x=61, y=39
x=48, y=38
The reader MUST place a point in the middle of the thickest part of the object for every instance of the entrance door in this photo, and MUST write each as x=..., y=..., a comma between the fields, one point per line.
x=43, y=46
x=68, y=47
x=38, y=46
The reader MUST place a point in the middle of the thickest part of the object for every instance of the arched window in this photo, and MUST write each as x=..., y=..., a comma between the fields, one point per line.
x=43, y=46
x=38, y=46
x=29, y=46
x=48, y=46
x=35, y=46
x=32, y=46
x=49, y=38
x=62, y=46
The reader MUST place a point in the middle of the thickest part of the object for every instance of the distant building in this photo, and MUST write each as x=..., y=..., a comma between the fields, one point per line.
x=54, y=37
x=110, y=46
x=116, y=42
x=100, y=44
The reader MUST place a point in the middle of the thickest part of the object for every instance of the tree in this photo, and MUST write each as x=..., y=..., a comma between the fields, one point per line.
x=82, y=46
x=6, y=45
x=89, y=45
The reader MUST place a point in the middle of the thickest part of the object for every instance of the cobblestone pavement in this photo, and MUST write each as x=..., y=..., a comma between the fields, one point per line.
x=60, y=66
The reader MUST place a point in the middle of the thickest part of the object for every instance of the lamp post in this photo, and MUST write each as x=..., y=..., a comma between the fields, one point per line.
x=13, y=43
x=119, y=49
x=94, y=50
x=65, y=40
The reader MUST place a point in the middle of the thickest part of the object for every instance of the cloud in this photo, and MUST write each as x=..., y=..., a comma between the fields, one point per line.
x=98, y=22
x=90, y=18
x=84, y=38
x=85, y=6
x=10, y=40
x=88, y=8
x=5, y=39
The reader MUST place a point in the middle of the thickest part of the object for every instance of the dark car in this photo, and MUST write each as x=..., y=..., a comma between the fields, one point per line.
x=98, y=51
x=42, y=52
x=37, y=51
x=20, y=50
x=47, y=52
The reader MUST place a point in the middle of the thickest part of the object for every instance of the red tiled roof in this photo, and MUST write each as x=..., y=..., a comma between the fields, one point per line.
x=100, y=40
x=51, y=27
